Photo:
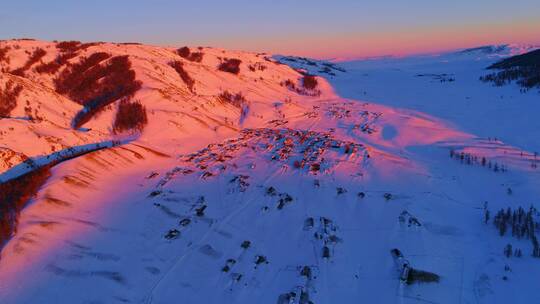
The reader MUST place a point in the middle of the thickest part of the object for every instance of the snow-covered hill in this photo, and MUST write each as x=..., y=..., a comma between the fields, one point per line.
x=253, y=182
x=45, y=116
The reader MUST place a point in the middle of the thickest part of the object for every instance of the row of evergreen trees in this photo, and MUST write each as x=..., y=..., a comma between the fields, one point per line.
x=471, y=159
x=524, y=69
x=508, y=252
x=526, y=77
x=522, y=223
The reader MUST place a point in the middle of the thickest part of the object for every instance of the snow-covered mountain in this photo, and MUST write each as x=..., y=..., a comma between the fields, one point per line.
x=495, y=51
x=244, y=179
x=501, y=50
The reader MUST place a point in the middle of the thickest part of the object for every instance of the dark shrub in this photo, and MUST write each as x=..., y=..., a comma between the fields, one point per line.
x=68, y=50
x=68, y=46
x=421, y=276
x=130, y=115
x=130, y=43
x=245, y=244
x=96, y=85
x=196, y=56
x=74, y=46
x=50, y=67
x=74, y=79
x=230, y=66
x=326, y=252
x=8, y=98
x=186, y=53
x=289, y=84
x=309, y=82
x=178, y=66
x=53, y=66
x=237, y=100
x=257, y=67
x=34, y=57
x=260, y=259
x=18, y=72
x=15, y=193
x=3, y=54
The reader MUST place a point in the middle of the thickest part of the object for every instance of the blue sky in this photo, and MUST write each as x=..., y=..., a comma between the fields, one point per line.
x=315, y=27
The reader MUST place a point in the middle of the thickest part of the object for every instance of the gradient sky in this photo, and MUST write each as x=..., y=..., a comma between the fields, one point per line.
x=316, y=28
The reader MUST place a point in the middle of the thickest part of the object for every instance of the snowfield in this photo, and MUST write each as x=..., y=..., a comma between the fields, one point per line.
x=285, y=193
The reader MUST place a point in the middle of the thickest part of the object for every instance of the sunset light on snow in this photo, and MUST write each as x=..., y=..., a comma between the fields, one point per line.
x=289, y=152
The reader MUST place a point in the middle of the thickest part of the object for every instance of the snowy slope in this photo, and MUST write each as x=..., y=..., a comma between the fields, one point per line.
x=447, y=87
x=45, y=117
x=294, y=198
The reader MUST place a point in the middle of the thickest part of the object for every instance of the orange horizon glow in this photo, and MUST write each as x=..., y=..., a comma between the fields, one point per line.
x=343, y=29
x=405, y=42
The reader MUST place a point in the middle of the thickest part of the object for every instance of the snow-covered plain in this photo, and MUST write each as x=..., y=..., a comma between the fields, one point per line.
x=296, y=198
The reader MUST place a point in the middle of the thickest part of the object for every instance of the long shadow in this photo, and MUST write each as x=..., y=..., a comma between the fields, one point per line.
x=20, y=183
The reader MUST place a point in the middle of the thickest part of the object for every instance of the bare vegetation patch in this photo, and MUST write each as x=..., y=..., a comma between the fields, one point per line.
x=97, y=85
x=130, y=43
x=74, y=46
x=310, y=82
x=183, y=52
x=68, y=50
x=8, y=98
x=257, y=67
x=15, y=193
x=308, y=88
x=421, y=276
x=3, y=54
x=68, y=46
x=230, y=66
x=130, y=116
x=34, y=57
x=238, y=100
x=186, y=53
x=289, y=84
x=178, y=66
x=75, y=80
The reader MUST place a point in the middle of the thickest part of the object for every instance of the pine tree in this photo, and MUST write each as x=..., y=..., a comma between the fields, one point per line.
x=536, y=248
x=502, y=228
x=508, y=251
